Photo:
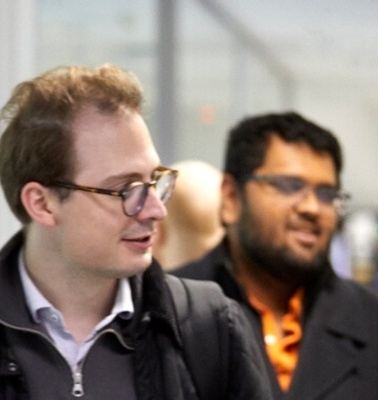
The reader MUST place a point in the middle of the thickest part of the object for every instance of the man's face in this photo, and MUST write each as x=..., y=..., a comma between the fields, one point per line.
x=93, y=235
x=286, y=236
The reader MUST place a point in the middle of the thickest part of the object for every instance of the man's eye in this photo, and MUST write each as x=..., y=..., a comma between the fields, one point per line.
x=327, y=194
x=289, y=185
x=123, y=186
x=131, y=189
x=156, y=175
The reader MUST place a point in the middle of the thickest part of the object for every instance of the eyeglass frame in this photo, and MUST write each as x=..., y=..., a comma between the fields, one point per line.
x=339, y=201
x=122, y=192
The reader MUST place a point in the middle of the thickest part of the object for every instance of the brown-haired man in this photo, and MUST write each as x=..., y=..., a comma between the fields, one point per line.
x=85, y=312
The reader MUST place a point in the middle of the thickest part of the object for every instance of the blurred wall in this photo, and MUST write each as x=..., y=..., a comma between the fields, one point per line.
x=207, y=63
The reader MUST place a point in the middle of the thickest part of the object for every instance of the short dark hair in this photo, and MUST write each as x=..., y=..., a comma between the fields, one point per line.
x=248, y=141
x=37, y=142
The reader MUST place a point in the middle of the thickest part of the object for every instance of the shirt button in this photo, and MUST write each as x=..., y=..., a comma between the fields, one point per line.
x=12, y=367
x=54, y=318
x=270, y=339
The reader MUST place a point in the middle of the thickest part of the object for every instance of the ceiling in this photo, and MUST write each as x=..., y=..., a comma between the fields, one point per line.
x=330, y=51
x=316, y=37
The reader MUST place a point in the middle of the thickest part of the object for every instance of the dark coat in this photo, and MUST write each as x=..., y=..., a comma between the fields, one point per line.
x=146, y=352
x=338, y=356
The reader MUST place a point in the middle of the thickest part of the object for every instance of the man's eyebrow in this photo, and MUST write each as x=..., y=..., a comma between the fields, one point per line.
x=119, y=178
x=128, y=177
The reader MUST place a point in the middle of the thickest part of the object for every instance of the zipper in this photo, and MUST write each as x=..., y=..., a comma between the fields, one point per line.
x=77, y=375
x=77, y=389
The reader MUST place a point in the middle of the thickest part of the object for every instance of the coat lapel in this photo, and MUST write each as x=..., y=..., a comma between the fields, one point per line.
x=333, y=342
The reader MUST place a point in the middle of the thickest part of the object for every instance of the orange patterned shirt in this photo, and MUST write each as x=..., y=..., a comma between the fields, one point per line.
x=282, y=337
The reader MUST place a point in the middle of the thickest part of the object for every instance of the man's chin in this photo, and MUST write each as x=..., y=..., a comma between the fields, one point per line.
x=135, y=268
x=296, y=268
x=301, y=269
x=143, y=264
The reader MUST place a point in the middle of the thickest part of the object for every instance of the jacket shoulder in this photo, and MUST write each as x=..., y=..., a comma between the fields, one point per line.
x=219, y=345
x=198, y=306
x=205, y=268
x=363, y=297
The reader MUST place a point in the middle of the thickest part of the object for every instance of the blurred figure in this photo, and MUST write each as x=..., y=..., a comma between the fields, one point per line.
x=281, y=202
x=341, y=252
x=193, y=225
x=361, y=235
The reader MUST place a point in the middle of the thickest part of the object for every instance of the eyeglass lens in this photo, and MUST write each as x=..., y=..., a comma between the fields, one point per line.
x=290, y=185
x=135, y=197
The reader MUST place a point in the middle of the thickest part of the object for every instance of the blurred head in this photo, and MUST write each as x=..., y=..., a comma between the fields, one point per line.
x=37, y=144
x=280, y=194
x=192, y=226
x=248, y=141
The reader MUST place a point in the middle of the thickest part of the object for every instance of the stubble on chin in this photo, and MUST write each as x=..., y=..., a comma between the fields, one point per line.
x=280, y=262
x=285, y=265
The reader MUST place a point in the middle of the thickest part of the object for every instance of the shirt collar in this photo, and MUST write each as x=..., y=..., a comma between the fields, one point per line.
x=34, y=298
x=123, y=304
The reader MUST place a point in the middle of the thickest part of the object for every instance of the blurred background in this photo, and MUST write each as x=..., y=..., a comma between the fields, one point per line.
x=205, y=64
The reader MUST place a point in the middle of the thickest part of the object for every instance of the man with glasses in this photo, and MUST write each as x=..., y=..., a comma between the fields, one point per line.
x=85, y=311
x=281, y=200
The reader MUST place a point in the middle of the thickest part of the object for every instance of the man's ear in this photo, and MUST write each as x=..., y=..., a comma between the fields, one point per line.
x=230, y=200
x=39, y=202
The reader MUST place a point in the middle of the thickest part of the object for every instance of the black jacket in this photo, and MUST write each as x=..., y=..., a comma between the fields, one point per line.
x=338, y=358
x=146, y=352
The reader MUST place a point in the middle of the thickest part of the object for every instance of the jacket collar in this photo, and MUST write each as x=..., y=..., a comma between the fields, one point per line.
x=153, y=300
x=150, y=293
x=13, y=309
x=343, y=318
x=335, y=340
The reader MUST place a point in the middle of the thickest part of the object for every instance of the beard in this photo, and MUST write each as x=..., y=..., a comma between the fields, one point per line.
x=278, y=261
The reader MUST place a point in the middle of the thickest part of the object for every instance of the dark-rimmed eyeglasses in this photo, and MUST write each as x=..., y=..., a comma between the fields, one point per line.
x=295, y=187
x=134, y=194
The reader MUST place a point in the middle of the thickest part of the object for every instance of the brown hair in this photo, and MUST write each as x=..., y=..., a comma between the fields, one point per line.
x=37, y=142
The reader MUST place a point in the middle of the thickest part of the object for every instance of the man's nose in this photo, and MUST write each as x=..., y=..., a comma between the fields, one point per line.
x=308, y=201
x=154, y=208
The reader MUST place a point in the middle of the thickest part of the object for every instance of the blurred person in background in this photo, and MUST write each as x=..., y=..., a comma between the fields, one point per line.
x=340, y=251
x=360, y=231
x=192, y=226
x=281, y=200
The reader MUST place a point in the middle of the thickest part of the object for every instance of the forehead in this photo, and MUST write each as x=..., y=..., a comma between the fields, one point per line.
x=297, y=159
x=112, y=143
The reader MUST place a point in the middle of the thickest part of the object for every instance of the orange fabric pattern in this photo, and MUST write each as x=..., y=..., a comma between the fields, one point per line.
x=282, y=337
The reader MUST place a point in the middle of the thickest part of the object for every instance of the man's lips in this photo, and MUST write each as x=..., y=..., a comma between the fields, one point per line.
x=306, y=235
x=142, y=241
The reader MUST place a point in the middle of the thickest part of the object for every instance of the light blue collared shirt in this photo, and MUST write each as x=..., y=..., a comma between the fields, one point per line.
x=45, y=313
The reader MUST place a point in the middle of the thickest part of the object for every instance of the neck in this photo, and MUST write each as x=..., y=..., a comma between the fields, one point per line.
x=271, y=292
x=266, y=288
x=84, y=299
